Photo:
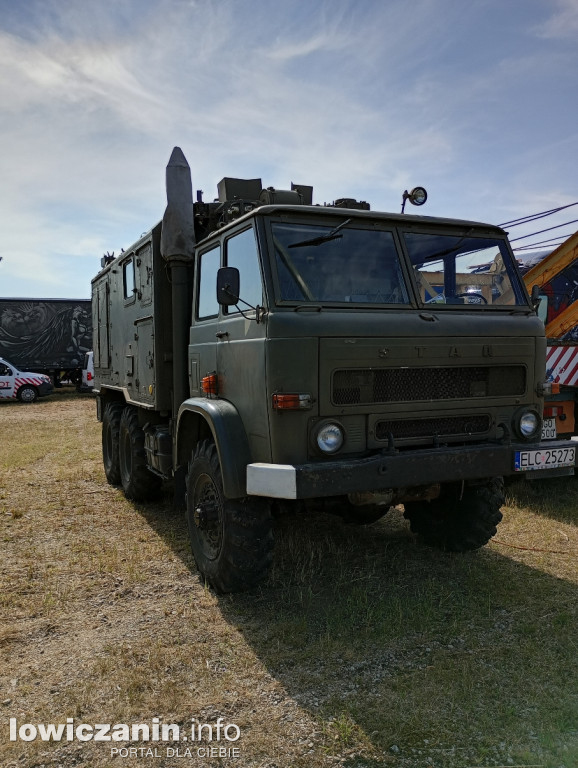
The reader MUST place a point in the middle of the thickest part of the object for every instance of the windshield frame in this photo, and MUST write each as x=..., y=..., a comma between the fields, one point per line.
x=398, y=227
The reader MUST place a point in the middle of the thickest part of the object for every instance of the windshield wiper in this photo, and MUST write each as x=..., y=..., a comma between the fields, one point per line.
x=322, y=238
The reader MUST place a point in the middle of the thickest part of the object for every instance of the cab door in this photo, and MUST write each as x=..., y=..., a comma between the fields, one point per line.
x=6, y=381
x=241, y=343
x=205, y=326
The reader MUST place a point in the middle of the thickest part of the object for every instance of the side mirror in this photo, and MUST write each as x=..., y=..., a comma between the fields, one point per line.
x=535, y=297
x=228, y=285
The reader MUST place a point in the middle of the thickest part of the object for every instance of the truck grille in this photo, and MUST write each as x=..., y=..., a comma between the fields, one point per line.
x=365, y=386
x=445, y=426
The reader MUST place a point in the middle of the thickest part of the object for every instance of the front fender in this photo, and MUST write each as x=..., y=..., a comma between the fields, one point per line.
x=230, y=438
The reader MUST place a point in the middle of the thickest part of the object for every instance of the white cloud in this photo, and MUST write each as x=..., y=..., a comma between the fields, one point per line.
x=563, y=23
x=358, y=99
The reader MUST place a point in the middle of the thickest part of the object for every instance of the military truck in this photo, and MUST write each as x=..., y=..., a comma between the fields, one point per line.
x=46, y=336
x=263, y=353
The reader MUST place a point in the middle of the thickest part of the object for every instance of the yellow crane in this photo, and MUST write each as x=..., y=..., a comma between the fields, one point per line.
x=562, y=355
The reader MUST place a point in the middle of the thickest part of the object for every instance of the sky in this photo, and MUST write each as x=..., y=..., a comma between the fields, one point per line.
x=476, y=101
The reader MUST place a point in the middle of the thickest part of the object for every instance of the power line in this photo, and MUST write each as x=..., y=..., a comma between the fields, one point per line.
x=534, y=216
x=549, y=229
x=551, y=241
x=551, y=247
x=546, y=248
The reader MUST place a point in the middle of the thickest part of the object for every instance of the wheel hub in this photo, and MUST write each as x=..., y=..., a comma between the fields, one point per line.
x=206, y=514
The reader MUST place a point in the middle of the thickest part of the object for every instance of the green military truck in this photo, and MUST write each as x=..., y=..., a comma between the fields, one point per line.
x=261, y=352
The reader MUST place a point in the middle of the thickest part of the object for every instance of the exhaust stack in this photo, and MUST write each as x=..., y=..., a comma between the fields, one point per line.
x=177, y=246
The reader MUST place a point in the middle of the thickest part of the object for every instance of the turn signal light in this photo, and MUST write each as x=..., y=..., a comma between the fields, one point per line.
x=209, y=384
x=291, y=402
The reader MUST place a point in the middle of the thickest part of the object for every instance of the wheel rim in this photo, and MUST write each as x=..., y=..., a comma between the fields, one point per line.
x=207, y=516
x=27, y=395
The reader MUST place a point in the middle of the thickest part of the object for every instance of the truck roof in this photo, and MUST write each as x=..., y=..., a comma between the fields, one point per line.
x=271, y=210
x=325, y=210
x=26, y=298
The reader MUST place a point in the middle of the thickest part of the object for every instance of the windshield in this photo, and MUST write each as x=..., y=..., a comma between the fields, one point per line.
x=468, y=270
x=337, y=264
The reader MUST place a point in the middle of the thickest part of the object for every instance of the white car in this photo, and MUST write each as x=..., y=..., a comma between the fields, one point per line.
x=22, y=385
x=87, y=382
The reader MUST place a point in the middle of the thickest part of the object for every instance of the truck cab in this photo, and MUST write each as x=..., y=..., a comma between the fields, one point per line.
x=22, y=385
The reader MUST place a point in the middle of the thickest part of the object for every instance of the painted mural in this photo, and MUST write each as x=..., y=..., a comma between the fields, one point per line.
x=45, y=333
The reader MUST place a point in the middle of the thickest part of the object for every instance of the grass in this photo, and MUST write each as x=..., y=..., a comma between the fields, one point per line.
x=363, y=649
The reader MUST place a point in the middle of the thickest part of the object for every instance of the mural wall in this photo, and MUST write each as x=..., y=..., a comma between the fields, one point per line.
x=45, y=333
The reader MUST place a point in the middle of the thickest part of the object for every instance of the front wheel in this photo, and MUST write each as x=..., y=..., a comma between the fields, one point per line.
x=231, y=539
x=27, y=394
x=458, y=522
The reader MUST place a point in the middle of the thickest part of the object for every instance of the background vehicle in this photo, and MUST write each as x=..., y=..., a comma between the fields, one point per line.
x=556, y=275
x=22, y=385
x=265, y=353
x=87, y=382
x=48, y=336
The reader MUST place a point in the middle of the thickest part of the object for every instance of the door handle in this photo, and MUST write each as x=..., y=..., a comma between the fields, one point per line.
x=222, y=334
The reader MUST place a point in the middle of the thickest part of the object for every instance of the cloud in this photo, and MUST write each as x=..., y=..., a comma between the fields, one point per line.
x=563, y=23
x=358, y=99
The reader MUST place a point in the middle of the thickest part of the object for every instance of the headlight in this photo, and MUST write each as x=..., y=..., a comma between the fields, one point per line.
x=330, y=438
x=528, y=424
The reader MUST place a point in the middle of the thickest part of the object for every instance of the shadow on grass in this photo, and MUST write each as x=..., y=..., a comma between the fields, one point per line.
x=398, y=651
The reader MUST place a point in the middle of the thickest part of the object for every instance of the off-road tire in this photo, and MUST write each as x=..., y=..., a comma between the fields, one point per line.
x=27, y=394
x=110, y=441
x=231, y=539
x=457, y=524
x=138, y=482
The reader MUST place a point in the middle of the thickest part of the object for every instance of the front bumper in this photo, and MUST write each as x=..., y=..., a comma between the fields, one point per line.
x=46, y=388
x=387, y=471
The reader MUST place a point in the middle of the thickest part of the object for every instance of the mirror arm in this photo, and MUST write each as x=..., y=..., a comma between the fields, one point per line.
x=260, y=311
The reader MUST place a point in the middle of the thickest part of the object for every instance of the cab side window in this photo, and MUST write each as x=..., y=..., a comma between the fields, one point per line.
x=4, y=370
x=242, y=253
x=209, y=263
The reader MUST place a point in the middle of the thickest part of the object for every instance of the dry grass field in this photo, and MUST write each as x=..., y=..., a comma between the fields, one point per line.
x=364, y=648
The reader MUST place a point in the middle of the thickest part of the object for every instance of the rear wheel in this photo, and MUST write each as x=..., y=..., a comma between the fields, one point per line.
x=138, y=482
x=110, y=441
x=459, y=523
x=231, y=539
x=27, y=394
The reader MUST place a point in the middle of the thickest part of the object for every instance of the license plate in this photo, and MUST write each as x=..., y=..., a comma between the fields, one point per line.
x=551, y=458
x=549, y=429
